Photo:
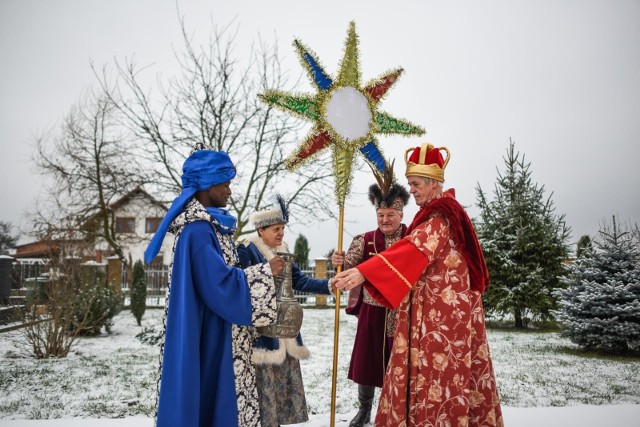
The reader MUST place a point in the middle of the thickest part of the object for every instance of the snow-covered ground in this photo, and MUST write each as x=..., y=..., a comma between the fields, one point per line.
x=568, y=416
x=110, y=380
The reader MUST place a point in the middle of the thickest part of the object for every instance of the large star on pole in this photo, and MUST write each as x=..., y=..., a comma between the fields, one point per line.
x=345, y=115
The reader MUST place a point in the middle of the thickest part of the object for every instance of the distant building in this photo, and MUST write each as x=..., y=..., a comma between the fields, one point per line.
x=137, y=216
x=40, y=249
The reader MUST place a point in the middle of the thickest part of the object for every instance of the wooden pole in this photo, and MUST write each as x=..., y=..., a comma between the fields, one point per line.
x=336, y=327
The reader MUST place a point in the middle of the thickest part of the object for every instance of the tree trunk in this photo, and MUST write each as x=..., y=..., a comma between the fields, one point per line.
x=518, y=316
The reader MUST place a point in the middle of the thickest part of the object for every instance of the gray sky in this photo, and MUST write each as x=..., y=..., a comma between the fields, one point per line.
x=559, y=77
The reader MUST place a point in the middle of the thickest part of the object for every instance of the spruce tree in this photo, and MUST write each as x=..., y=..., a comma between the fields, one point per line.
x=524, y=242
x=301, y=249
x=138, y=292
x=8, y=239
x=600, y=308
x=583, y=246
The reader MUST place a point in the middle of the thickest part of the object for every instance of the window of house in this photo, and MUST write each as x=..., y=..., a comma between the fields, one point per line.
x=125, y=225
x=152, y=224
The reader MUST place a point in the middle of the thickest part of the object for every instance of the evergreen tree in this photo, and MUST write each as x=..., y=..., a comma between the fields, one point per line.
x=583, y=246
x=635, y=235
x=524, y=242
x=138, y=292
x=301, y=250
x=600, y=308
x=8, y=239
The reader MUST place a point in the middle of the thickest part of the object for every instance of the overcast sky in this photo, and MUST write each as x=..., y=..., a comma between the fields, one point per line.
x=559, y=77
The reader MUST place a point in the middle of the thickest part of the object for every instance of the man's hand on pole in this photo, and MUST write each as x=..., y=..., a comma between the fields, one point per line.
x=337, y=259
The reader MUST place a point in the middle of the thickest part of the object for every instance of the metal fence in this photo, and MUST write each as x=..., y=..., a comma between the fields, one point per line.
x=27, y=268
x=157, y=279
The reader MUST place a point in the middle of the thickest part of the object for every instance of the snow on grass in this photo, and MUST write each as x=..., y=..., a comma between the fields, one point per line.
x=538, y=369
x=114, y=376
x=109, y=375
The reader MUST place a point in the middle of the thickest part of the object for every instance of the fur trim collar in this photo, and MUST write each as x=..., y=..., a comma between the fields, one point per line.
x=266, y=251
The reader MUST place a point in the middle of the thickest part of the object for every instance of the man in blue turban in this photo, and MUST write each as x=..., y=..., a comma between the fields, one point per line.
x=206, y=374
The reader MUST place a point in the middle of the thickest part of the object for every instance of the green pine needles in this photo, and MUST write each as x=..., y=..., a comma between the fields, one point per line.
x=524, y=243
x=138, y=292
x=600, y=307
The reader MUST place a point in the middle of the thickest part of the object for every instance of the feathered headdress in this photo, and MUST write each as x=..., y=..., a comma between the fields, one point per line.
x=387, y=194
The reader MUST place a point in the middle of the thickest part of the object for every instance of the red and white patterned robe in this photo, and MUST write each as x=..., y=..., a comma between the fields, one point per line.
x=440, y=372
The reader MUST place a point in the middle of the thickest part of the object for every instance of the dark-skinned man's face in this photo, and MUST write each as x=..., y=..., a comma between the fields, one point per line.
x=217, y=195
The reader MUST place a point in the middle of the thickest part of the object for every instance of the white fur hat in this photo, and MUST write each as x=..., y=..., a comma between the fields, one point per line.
x=279, y=215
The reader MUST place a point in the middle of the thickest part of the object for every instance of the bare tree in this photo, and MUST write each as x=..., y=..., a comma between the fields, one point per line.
x=89, y=164
x=214, y=102
x=48, y=317
x=68, y=304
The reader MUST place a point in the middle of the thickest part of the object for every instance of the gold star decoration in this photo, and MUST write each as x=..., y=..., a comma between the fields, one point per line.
x=345, y=114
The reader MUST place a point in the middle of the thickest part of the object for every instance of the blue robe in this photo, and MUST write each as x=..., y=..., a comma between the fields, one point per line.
x=198, y=385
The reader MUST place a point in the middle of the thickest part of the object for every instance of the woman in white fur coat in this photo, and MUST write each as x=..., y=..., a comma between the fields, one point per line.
x=278, y=376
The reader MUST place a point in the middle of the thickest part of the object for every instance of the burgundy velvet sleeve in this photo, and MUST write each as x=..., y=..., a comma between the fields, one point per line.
x=392, y=273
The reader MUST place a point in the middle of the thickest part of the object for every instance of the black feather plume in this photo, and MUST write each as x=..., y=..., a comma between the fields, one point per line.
x=397, y=191
x=283, y=208
x=375, y=194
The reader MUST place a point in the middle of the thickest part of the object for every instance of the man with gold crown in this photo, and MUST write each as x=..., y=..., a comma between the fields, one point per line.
x=440, y=371
x=376, y=323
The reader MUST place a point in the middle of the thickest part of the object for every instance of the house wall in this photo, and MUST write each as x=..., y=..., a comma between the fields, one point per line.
x=140, y=208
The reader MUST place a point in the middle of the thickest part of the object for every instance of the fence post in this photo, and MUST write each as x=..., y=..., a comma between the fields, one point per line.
x=114, y=273
x=321, y=273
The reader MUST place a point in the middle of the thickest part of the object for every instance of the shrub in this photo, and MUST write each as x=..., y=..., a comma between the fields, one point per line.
x=138, y=292
x=97, y=303
x=151, y=335
x=73, y=301
x=48, y=328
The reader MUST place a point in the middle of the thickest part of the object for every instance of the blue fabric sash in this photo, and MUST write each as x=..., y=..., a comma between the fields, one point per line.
x=224, y=218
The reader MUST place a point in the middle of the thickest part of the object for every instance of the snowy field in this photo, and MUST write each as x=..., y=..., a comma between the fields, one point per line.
x=110, y=380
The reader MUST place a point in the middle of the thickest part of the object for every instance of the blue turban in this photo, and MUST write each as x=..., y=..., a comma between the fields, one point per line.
x=201, y=171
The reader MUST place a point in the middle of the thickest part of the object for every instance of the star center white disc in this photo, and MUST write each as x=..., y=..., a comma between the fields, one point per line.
x=348, y=113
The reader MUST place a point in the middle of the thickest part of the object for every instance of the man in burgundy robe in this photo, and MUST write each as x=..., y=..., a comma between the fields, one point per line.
x=376, y=323
x=440, y=371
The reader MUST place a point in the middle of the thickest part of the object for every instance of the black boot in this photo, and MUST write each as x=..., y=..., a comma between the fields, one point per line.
x=365, y=396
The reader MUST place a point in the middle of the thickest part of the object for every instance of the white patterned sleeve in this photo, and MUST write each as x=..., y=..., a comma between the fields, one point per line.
x=263, y=294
